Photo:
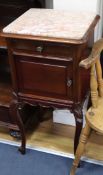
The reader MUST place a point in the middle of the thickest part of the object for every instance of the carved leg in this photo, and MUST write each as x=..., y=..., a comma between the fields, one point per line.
x=78, y=114
x=14, y=112
x=80, y=149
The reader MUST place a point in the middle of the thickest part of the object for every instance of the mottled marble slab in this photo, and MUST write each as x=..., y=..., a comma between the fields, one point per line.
x=52, y=23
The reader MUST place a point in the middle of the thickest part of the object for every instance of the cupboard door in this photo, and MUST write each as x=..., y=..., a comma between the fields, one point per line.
x=43, y=77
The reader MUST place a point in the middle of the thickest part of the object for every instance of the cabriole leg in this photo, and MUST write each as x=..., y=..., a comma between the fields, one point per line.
x=15, y=107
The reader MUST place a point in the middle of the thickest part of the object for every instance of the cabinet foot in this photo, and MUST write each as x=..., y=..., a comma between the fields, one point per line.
x=22, y=150
x=15, y=108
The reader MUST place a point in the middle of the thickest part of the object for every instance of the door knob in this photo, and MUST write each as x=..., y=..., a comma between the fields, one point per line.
x=69, y=82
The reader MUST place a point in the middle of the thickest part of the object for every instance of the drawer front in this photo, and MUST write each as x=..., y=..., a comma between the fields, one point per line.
x=44, y=77
x=42, y=48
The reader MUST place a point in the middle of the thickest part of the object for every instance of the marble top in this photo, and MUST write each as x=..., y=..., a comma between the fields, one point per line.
x=52, y=23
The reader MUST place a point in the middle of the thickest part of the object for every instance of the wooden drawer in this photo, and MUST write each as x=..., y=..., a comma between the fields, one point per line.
x=43, y=77
x=42, y=48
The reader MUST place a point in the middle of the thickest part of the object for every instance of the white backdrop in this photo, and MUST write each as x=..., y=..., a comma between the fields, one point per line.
x=87, y=5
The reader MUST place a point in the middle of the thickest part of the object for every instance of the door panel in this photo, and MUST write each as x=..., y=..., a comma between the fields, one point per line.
x=41, y=76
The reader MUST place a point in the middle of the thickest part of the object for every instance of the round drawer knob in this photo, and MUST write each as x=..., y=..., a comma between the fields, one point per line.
x=39, y=49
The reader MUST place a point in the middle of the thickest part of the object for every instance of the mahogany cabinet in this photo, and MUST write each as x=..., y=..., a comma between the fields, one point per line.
x=45, y=66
